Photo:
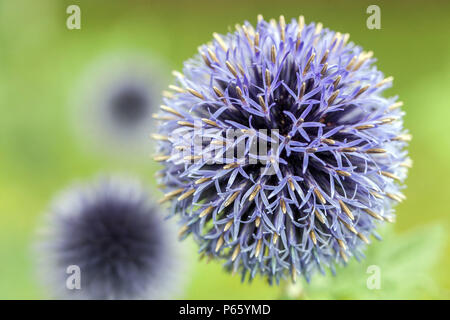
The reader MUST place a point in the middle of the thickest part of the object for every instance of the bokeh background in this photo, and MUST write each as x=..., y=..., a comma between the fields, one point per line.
x=42, y=62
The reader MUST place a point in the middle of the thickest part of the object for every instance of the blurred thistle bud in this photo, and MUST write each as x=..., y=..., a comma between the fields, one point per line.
x=114, y=239
x=115, y=101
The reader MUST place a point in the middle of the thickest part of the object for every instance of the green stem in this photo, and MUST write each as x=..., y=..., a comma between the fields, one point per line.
x=293, y=291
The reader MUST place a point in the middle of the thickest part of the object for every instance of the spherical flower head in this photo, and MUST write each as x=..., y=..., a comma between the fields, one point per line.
x=115, y=101
x=281, y=155
x=113, y=238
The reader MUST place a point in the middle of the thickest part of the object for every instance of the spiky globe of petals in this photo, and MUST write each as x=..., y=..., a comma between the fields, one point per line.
x=335, y=156
x=113, y=238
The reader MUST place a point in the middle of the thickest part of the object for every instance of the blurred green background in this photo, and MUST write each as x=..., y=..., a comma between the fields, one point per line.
x=41, y=62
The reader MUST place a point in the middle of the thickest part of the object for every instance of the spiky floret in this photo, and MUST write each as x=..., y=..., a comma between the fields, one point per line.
x=317, y=195
x=115, y=236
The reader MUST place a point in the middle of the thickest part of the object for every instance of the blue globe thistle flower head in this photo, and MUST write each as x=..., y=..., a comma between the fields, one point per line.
x=281, y=155
x=114, y=240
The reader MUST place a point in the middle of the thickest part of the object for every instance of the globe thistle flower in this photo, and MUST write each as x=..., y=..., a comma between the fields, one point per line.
x=115, y=236
x=330, y=165
x=115, y=102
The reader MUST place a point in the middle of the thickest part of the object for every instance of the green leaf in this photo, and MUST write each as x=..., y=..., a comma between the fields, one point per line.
x=405, y=263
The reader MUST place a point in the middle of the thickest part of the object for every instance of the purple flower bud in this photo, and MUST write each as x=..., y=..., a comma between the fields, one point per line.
x=107, y=241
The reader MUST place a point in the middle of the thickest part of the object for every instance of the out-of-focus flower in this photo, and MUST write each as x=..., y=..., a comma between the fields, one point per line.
x=115, y=102
x=280, y=153
x=117, y=240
